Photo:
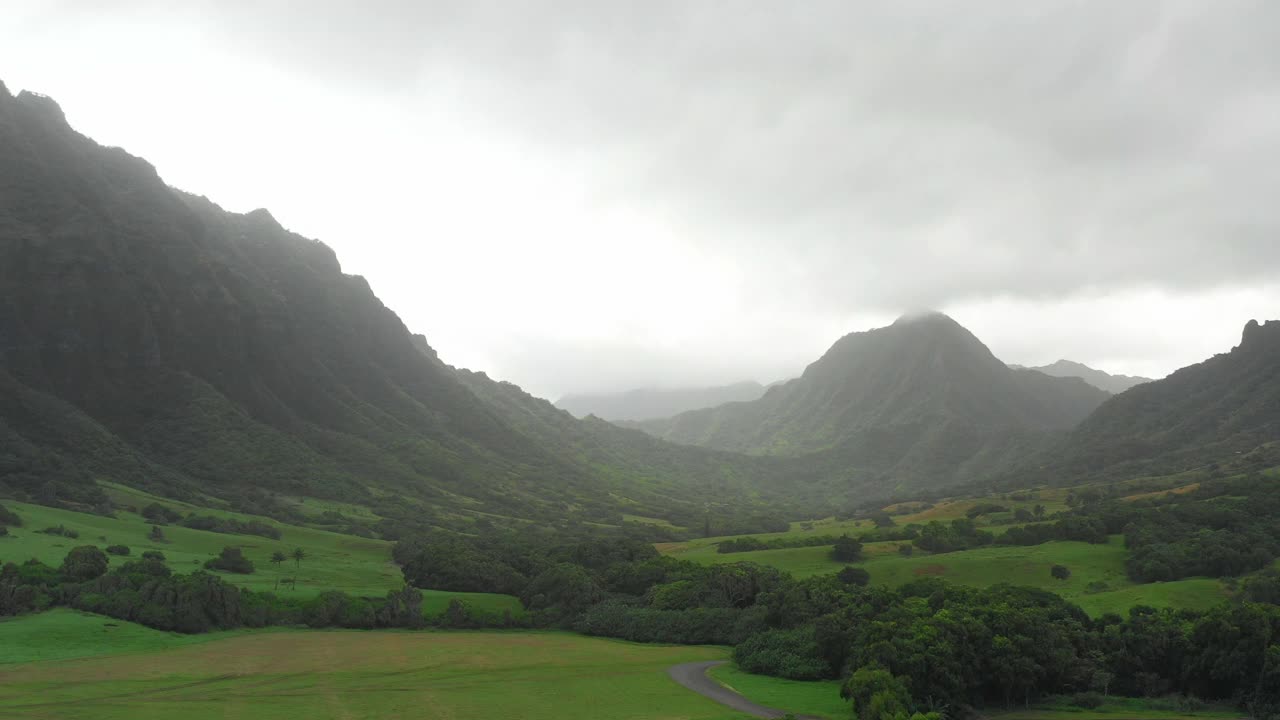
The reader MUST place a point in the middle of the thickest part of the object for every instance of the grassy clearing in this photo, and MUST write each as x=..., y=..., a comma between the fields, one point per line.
x=1098, y=582
x=819, y=698
x=353, y=675
x=358, y=566
x=62, y=634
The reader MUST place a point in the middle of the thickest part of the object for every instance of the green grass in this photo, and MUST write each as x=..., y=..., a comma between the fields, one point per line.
x=982, y=567
x=819, y=698
x=354, y=675
x=358, y=566
x=61, y=634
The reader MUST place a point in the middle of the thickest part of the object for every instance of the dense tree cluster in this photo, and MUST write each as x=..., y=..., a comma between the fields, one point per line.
x=146, y=591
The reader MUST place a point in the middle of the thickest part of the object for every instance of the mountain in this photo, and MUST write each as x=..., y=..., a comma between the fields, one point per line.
x=150, y=338
x=1114, y=384
x=653, y=403
x=1225, y=407
x=920, y=403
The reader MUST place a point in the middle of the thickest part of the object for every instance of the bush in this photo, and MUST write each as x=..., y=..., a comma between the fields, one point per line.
x=153, y=555
x=161, y=514
x=231, y=559
x=9, y=517
x=117, y=549
x=61, y=530
x=1087, y=700
x=782, y=653
x=854, y=576
x=1060, y=572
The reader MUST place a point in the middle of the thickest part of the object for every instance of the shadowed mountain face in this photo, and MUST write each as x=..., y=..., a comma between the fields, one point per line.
x=921, y=402
x=1221, y=409
x=652, y=403
x=1114, y=384
x=148, y=337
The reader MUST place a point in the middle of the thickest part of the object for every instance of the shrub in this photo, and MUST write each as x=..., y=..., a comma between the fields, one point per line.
x=1060, y=572
x=9, y=517
x=61, y=530
x=783, y=653
x=231, y=559
x=1087, y=700
x=160, y=514
x=153, y=555
x=851, y=575
x=117, y=549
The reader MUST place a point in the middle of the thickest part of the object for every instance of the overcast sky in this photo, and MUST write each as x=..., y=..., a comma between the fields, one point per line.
x=584, y=196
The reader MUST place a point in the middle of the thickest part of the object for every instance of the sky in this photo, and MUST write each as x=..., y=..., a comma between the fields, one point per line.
x=593, y=196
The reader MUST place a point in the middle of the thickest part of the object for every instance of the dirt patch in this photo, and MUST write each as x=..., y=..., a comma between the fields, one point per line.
x=933, y=570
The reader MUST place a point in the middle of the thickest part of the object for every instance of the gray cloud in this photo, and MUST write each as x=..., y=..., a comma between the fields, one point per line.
x=883, y=155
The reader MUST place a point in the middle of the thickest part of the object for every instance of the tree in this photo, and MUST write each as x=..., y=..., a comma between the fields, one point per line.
x=298, y=556
x=156, y=534
x=851, y=575
x=84, y=563
x=231, y=559
x=1039, y=512
x=876, y=694
x=277, y=557
x=1060, y=572
x=847, y=549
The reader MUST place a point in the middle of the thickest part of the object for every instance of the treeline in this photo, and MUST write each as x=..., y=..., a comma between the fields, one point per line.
x=930, y=645
x=749, y=544
x=148, y=592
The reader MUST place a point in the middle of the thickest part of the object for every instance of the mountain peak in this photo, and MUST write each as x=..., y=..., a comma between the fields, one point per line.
x=1258, y=335
x=46, y=106
x=922, y=317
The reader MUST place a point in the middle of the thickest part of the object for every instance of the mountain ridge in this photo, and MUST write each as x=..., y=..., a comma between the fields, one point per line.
x=653, y=403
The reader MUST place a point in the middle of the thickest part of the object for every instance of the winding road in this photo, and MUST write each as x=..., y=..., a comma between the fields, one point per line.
x=694, y=676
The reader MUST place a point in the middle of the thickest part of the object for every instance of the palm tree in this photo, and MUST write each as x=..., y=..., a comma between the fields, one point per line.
x=277, y=557
x=298, y=556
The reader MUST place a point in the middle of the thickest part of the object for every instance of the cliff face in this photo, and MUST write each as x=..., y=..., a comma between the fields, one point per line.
x=149, y=337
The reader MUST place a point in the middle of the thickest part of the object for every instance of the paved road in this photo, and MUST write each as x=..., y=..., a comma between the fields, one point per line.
x=694, y=676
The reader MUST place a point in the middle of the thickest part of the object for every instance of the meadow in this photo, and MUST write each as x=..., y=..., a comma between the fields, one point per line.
x=355, y=565
x=355, y=674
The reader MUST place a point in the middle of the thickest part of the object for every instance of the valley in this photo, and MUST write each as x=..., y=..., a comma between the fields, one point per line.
x=234, y=483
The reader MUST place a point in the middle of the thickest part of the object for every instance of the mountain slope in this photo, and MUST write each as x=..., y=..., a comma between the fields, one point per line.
x=1204, y=413
x=151, y=338
x=921, y=402
x=1114, y=384
x=653, y=403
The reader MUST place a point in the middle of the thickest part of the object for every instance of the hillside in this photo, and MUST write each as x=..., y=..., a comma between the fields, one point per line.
x=150, y=338
x=1114, y=384
x=1220, y=410
x=653, y=403
x=920, y=403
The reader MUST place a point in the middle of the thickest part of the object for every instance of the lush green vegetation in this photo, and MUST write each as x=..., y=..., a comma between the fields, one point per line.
x=801, y=697
x=61, y=634
x=465, y=676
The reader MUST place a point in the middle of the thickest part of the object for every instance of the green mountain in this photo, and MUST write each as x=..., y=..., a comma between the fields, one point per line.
x=150, y=338
x=654, y=403
x=1114, y=384
x=920, y=403
x=1220, y=410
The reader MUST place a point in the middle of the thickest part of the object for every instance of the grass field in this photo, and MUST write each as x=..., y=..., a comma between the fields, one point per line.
x=1089, y=564
x=353, y=675
x=61, y=634
x=359, y=566
x=820, y=698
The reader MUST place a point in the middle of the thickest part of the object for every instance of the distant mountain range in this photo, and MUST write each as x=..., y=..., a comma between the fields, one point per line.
x=1114, y=384
x=920, y=402
x=653, y=403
